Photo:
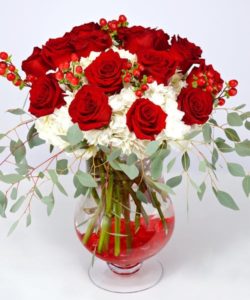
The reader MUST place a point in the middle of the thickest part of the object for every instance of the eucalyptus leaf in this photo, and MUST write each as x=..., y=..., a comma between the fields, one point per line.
x=243, y=148
x=28, y=220
x=163, y=187
x=215, y=156
x=10, y=178
x=234, y=119
x=2, y=148
x=14, y=208
x=3, y=204
x=74, y=135
x=171, y=164
x=157, y=162
x=54, y=178
x=202, y=166
x=222, y=146
x=13, y=194
x=33, y=138
x=240, y=106
x=62, y=167
x=192, y=134
x=130, y=170
x=114, y=154
x=86, y=179
x=245, y=115
x=232, y=135
x=132, y=159
x=2, y=136
x=50, y=202
x=152, y=147
x=247, y=125
x=201, y=191
x=140, y=196
x=16, y=111
x=236, y=169
x=225, y=199
x=246, y=185
x=18, y=150
x=174, y=181
x=185, y=160
x=207, y=133
x=13, y=227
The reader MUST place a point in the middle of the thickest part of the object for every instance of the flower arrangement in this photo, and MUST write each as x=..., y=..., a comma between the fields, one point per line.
x=123, y=99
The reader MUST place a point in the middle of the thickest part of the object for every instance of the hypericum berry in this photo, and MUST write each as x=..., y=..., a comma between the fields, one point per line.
x=201, y=81
x=12, y=68
x=233, y=83
x=128, y=65
x=4, y=55
x=74, y=81
x=64, y=66
x=18, y=82
x=127, y=79
x=74, y=57
x=221, y=101
x=59, y=75
x=232, y=92
x=136, y=73
x=219, y=86
x=210, y=81
x=103, y=22
x=200, y=74
x=11, y=76
x=69, y=76
x=210, y=74
x=141, y=68
x=3, y=65
x=150, y=79
x=209, y=89
x=2, y=71
x=113, y=25
x=122, y=18
x=79, y=70
x=138, y=93
x=144, y=87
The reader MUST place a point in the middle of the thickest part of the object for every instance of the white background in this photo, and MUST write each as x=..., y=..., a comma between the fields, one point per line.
x=209, y=255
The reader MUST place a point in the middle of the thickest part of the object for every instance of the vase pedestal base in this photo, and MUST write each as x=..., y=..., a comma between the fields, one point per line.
x=137, y=278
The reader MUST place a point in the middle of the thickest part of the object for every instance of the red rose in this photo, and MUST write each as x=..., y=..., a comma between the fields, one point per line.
x=206, y=78
x=196, y=104
x=89, y=37
x=146, y=119
x=184, y=52
x=90, y=108
x=137, y=38
x=45, y=96
x=35, y=65
x=106, y=72
x=158, y=64
x=57, y=51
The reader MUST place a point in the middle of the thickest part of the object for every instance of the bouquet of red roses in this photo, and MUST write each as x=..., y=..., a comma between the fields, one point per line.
x=123, y=98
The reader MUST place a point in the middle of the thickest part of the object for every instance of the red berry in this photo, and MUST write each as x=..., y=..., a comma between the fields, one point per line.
x=141, y=68
x=4, y=55
x=11, y=76
x=12, y=68
x=59, y=75
x=150, y=79
x=127, y=79
x=210, y=81
x=128, y=65
x=200, y=74
x=74, y=57
x=3, y=65
x=69, y=76
x=138, y=93
x=74, y=81
x=221, y=101
x=209, y=89
x=64, y=66
x=201, y=81
x=210, y=74
x=79, y=70
x=233, y=83
x=2, y=71
x=113, y=25
x=219, y=86
x=103, y=22
x=18, y=82
x=144, y=87
x=136, y=73
x=122, y=18
x=232, y=92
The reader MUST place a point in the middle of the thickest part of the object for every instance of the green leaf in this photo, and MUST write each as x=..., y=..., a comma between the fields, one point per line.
x=140, y=196
x=2, y=148
x=212, y=121
x=157, y=162
x=13, y=227
x=247, y=125
x=33, y=138
x=10, y=178
x=202, y=166
x=2, y=136
x=131, y=171
x=80, y=189
x=50, y=202
x=62, y=167
x=22, y=168
x=201, y=191
x=16, y=111
x=3, y=204
x=246, y=185
x=14, y=208
x=225, y=199
x=51, y=148
x=234, y=119
x=215, y=157
x=192, y=134
x=28, y=220
x=174, y=181
x=132, y=159
x=232, y=135
x=114, y=154
x=13, y=194
x=240, y=106
x=222, y=146
x=207, y=133
x=55, y=180
x=74, y=135
x=245, y=115
x=86, y=179
x=163, y=187
x=243, y=148
x=18, y=150
x=152, y=147
x=185, y=160
x=171, y=164
x=236, y=169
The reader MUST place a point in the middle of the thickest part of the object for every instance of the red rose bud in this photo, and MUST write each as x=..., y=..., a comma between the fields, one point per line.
x=221, y=101
x=74, y=57
x=4, y=55
x=233, y=83
x=138, y=93
x=144, y=87
x=74, y=81
x=232, y=92
x=64, y=66
x=79, y=70
x=122, y=18
x=136, y=73
x=11, y=76
x=113, y=25
x=69, y=76
x=127, y=79
x=103, y=22
x=59, y=75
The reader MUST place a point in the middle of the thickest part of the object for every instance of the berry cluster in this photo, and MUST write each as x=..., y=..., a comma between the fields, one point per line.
x=8, y=70
x=70, y=73
x=229, y=91
x=132, y=74
x=113, y=25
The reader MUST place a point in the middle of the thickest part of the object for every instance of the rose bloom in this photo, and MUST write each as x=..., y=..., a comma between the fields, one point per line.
x=146, y=119
x=45, y=96
x=138, y=38
x=196, y=104
x=35, y=65
x=159, y=64
x=88, y=37
x=184, y=52
x=105, y=72
x=90, y=108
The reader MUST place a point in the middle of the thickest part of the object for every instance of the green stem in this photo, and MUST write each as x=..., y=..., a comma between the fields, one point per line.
x=118, y=211
x=126, y=213
x=156, y=203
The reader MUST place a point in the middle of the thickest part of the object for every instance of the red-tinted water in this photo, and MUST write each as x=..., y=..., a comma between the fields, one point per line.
x=146, y=242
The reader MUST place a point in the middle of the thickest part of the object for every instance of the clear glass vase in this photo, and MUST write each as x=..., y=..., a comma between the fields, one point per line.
x=124, y=222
